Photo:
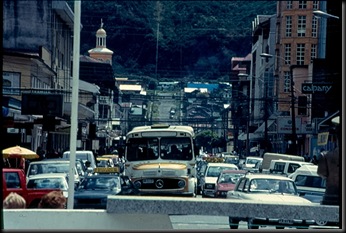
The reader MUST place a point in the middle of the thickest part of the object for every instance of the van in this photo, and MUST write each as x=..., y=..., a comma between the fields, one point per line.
x=285, y=166
x=309, y=184
x=268, y=157
x=84, y=155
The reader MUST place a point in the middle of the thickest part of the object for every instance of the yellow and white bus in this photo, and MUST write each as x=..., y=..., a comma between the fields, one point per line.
x=161, y=159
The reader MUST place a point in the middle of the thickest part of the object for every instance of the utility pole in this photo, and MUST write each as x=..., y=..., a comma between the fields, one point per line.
x=293, y=114
x=266, y=118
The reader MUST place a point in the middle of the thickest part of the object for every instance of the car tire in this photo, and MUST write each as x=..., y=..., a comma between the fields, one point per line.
x=233, y=223
x=250, y=225
x=277, y=227
x=321, y=223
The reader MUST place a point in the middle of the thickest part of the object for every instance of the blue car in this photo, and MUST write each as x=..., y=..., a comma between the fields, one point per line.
x=92, y=193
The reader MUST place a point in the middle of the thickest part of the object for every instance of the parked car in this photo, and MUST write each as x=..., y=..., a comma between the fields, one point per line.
x=309, y=184
x=227, y=181
x=50, y=181
x=266, y=188
x=209, y=177
x=94, y=190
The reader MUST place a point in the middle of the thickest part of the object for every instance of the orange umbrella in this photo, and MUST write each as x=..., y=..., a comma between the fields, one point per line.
x=18, y=152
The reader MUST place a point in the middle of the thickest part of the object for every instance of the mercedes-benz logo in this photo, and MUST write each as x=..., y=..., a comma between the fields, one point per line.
x=159, y=184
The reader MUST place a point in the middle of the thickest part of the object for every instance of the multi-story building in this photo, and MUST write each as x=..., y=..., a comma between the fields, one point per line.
x=37, y=58
x=37, y=76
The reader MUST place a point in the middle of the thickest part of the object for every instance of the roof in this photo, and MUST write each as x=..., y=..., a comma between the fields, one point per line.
x=130, y=87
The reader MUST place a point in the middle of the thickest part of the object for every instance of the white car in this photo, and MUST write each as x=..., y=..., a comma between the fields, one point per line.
x=210, y=175
x=48, y=181
x=48, y=166
x=250, y=162
x=268, y=189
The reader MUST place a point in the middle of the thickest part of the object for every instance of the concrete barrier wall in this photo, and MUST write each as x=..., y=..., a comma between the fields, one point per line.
x=51, y=219
x=150, y=213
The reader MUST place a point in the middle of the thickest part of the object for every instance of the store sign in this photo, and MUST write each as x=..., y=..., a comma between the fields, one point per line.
x=310, y=88
x=42, y=104
x=284, y=125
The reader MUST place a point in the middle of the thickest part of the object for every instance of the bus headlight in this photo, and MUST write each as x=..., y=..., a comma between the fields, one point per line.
x=181, y=183
x=137, y=184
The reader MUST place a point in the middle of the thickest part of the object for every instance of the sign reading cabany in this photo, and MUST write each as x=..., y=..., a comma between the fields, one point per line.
x=309, y=88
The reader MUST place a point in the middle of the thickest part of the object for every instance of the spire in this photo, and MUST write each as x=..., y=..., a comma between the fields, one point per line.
x=101, y=23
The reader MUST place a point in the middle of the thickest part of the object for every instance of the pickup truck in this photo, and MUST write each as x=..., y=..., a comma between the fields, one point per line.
x=14, y=180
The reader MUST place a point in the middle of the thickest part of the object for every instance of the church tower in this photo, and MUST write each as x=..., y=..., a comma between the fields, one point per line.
x=101, y=52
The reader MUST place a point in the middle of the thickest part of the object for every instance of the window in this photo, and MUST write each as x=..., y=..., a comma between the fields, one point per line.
x=287, y=54
x=11, y=83
x=302, y=5
x=288, y=4
x=288, y=26
x=300, y=54
x=313, y=51
x=279, y=167
x=314, y=27
x=12, y=180
x=315, y=5
x=287, y=82
x=292, y=167
x=301, y=28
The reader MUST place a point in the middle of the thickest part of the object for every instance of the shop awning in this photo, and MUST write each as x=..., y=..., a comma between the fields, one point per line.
x=260, y=129
x=252, y=136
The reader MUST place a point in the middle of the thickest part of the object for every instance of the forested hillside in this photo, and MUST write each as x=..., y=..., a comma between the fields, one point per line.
x=171, y=40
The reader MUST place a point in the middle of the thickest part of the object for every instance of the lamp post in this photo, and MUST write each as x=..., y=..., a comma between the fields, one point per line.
x=293, y=114
x=247, y=146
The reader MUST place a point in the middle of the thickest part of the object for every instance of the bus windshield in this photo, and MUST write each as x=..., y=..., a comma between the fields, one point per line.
x=165, y=148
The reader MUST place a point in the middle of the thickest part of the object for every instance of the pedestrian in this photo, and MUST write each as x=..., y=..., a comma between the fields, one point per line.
x=53, y=200
x=328, y=168
x=314, y=160
x=14, y=201
x=306, y=157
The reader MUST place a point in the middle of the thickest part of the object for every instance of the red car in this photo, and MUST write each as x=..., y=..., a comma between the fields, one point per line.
x=227, y=181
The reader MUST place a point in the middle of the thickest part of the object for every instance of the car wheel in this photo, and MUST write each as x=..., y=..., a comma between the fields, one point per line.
x=279, y=227
x=250, y=224
x=321, y=223
x=233, y=223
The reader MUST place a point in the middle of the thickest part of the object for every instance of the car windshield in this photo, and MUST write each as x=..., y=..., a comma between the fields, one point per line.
x=100, y=183
x=47, y=183
x=229, y=178
x=261, y=185
x=43, y=168
x=215, y=171
x=252, y=161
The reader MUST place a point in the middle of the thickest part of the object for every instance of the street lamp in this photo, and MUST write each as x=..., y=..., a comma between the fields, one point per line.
x=323, y=14
x=294, y=130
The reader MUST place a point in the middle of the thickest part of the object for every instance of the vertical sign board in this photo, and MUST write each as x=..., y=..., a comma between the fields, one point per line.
x=322, y=138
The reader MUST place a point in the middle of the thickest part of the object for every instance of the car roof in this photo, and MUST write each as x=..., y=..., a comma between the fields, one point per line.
x=253, y=157
x=102, y=175
x=50, y=161
x=103, y=158
x=222, y=165
x=48, y=175
x=266, y=176
x=234, y=171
